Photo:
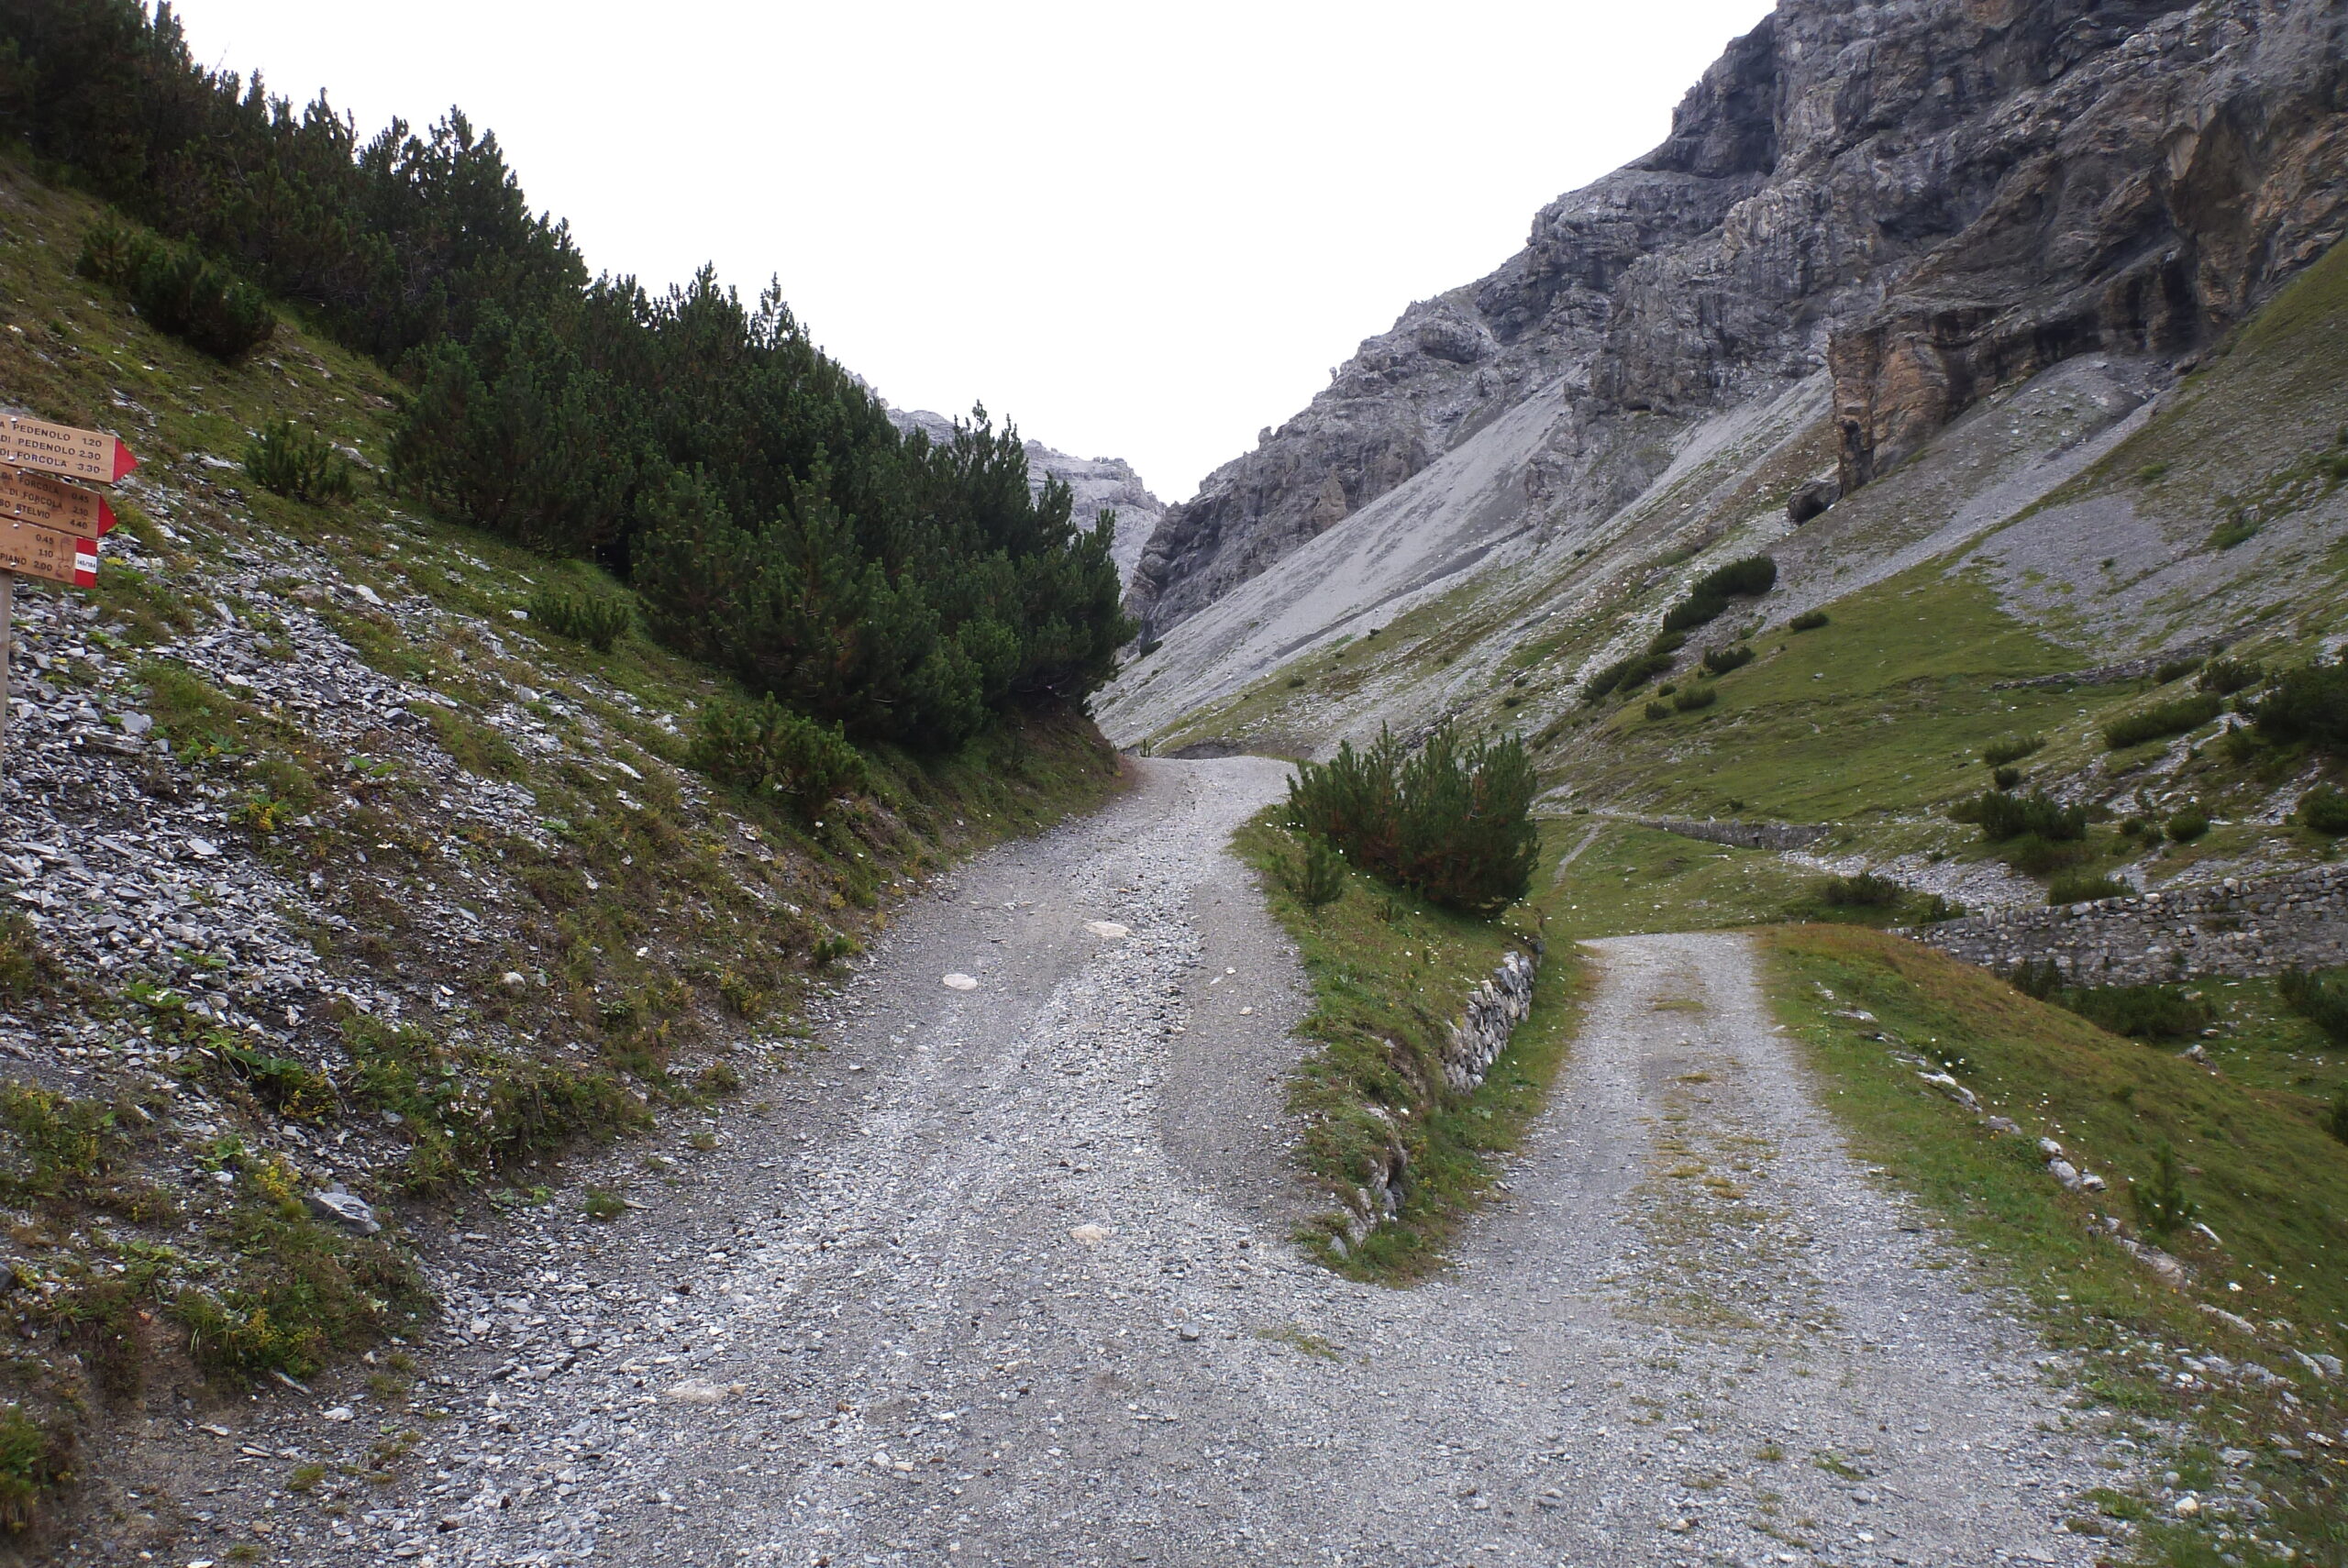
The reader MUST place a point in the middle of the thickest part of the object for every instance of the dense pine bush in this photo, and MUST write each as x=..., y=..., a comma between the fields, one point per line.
x=765, y=748
x=1709, y=595
x=1451, y=822
x=2321, y=997
x=2311, y=704
x=598, y=619
x=2324, y=809
x=2161, y=720
x=1625, y=675
x=2079, y=886
x=2003, y=815
x=1863, y=891
x=2008, y=748
x=2227, y=675
x=1808, y=620
x=1720, y=661
x=178, y=292
x=297, y=463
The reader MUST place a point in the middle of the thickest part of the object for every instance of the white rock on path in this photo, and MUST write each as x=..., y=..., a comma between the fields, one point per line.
x=1108, y=929
x=958, y=981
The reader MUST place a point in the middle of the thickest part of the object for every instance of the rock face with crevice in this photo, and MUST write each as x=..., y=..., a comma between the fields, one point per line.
x=1928, y=202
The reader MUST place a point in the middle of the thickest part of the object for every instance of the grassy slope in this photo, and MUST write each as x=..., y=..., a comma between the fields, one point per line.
x=1386, y=966
x=666, y=933
x=2268, y=1180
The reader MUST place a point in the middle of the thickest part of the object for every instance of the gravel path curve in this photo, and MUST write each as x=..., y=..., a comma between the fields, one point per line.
x=1009, y=1283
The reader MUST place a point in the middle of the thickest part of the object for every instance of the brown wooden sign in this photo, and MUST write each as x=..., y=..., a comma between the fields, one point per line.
x=54, y=504
x=45, y=553
x=28, y=443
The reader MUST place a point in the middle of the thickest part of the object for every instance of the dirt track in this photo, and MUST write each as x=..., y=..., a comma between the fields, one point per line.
x=1009, y=1283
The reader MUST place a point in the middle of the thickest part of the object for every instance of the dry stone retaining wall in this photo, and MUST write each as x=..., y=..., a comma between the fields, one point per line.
x=1481, y=1033
x=2296, y=921
x=1739, y=835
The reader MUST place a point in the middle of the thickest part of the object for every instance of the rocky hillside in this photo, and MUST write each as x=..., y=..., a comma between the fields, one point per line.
x=347, y=892
x=2009, y=336
x=1884, y=213
x=1098, y=484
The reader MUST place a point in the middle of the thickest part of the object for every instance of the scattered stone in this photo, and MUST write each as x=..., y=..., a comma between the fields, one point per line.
x=958, y=981
x=1090, y=1234
x=1108, y=930
x=695, y=1391
x=347, y=1209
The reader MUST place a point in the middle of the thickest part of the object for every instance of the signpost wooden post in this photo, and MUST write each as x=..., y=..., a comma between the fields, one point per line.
x=48, y=528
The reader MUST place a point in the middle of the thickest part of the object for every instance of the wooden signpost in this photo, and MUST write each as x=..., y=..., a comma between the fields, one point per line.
x=48, y=528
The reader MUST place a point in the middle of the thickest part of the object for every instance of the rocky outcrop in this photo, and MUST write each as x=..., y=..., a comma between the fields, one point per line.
x=1928, y=201
x=2260, y=927
x=1095, y=485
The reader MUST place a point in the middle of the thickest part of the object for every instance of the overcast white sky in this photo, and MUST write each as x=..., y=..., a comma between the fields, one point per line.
x=1139, y=231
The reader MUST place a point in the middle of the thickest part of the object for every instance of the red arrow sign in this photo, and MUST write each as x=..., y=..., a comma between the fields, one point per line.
x=30, y=443
x=40, y=552
x=54, y=504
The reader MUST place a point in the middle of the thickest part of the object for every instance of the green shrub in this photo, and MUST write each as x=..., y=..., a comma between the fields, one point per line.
x=765, y=748
x=2006, y=778
x=1666, y=641
x=178, y=292
x=2323, y=810
x=2177, y=669
x=69, y=1146
x=302, y=1293
x=1709, y=595
x=2162, y=1205
x=1865, y=890
x=2321, y=997
x=2004, y=815
x=2161, y=718
x=596, y=619
x=2144, y=1013
x=1938, y=908
x=296, y=463
x=469, y=1111
x=2184, y=826
x=1720, y=661
x=1695, y=697
x=2034, y=855
x=1625, y=675
x=24, y=966
x=1808, y=620
x=2037, y=978
x=1658, y=711
x=2311, y=704
x=34, y=1458
x=2227, y=675
x=1315, y=876
x=2336, y=1124
x=2238, y=528
x=2080, y=887
x=1452, y=821
x=2011, y=748
x=602, y=1205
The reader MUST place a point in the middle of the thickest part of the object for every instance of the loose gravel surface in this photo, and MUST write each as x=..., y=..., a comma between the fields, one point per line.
x=1009, y=1283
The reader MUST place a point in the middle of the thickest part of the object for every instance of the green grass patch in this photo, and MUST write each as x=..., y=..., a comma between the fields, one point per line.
x=1389, y=971
x=2261, y=1171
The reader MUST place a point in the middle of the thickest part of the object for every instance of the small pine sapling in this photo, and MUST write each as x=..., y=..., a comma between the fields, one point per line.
x=2163, y=1206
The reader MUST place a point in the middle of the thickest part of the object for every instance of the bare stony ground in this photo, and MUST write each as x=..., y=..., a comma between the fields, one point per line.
x=1008, y=1281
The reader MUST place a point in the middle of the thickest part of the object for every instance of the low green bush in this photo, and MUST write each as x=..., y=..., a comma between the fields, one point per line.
x=2011, y=748
x=2161, y=1206
x=2336, y=1122
x=302, y=1293
x=178, y=292
x=1720, y=661
x=1315, y=876
x=24, y=966
x=1666, y=641
x=2227, y=675
x=1658, y=711
x=2175, y=670
x=2324, y=809
x=2144, y=1013
x=1938, y=908
x=2161, y=720
x=2006, y=778
x=1865, y=891
x=2184, y=826
x=1625, y=675
x=596, y=619
x=2237, y=529
x=1695, y=697
x=1709, y=595
x=297, y=463
x=34, y=1457
x=1451, y=822
x=765, y=748
x=1808, y=620
x=2321, y=997
x=2080, y=887
x=2310, y=703
x=2003, y=815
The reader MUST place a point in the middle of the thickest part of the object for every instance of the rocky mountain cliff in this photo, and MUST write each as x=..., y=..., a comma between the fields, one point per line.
x=1098, y=484
x=1900, y=208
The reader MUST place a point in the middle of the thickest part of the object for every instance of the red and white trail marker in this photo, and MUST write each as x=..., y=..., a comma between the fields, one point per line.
x=44, y=553
x=28, y=443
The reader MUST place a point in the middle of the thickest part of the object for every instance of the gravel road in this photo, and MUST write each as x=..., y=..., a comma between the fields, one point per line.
x=1008, y=1281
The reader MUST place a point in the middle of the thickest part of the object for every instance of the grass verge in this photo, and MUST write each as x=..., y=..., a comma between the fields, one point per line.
x=2256, y=1459
x=1389, y=971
